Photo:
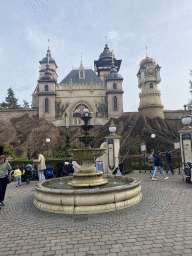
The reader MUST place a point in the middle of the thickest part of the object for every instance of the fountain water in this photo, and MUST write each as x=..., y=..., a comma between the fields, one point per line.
x=88, y=190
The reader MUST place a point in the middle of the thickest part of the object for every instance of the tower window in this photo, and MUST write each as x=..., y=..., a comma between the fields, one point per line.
x=81, y=73
x=151, y=85
x=115, y=102
x=114, y=86
x=46, y=88
x=46, y=105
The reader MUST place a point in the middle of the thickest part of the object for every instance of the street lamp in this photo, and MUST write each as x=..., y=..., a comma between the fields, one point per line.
x=48, y=140
x=153, y=137
x=186, y=121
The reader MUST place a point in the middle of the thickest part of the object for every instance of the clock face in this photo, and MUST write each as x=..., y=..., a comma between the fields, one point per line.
x=150, y=71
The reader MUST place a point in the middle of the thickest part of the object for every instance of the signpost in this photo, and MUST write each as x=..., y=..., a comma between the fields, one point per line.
x=143, y=150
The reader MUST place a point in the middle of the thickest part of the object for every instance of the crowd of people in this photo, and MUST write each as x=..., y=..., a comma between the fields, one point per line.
x=66, y=169
x=157, y=164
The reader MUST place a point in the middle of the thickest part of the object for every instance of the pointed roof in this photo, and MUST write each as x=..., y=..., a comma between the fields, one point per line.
x=74, y=75
x=48, y=58
x=106, y=53
x=113, y=74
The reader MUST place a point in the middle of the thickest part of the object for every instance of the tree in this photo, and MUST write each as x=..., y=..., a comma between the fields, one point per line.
x=25, y=104
x=9, y=150
x=10, y=100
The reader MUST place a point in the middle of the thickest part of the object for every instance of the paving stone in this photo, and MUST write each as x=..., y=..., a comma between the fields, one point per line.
x=159, y=225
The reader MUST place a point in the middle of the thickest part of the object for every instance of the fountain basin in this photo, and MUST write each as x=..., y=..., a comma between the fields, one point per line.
x=87, y=201
x=87, y=153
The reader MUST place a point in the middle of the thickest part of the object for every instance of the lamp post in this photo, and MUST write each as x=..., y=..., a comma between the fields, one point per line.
x=186, y=138
x=143, y=150
x=113, y=148
x=153, y=138
x=48, y=140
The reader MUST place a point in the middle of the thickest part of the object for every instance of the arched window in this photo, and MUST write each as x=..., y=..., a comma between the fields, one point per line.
x=114, y=86
x=81, y=73
x=46, y=88
x=115, y=102
x=151, y=85
x=46, y=105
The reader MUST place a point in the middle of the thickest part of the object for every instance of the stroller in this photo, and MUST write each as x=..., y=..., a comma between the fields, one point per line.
x=27, y=174
x=187, y=171
x=60, y=166
x=49, y=172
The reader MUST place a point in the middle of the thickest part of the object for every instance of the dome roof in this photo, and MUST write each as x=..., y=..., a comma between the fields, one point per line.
x=45, y=60
x=147, y=60
x=106, y=53
x=48, y=77
x=113, y=73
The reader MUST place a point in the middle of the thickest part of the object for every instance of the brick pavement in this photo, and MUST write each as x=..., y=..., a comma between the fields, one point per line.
x=159, y=225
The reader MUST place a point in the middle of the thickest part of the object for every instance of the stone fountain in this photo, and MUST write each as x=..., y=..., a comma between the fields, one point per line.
x=89, y=190
x=87, y=176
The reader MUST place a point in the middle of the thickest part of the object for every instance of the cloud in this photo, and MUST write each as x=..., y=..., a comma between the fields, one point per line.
x=36, y=37
x=1, y=51
x=112, y=34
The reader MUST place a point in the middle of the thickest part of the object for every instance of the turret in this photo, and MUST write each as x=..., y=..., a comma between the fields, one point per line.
x=103, y=65
x=148, y=79
x=114, y=93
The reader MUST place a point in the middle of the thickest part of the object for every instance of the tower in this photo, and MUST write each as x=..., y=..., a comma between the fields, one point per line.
x=114, y=93
x=148, y=79
x=46, y=87
x=103, y=65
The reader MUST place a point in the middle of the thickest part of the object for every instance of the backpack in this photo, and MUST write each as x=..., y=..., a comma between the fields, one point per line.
x=150, y=158
x=49, y=173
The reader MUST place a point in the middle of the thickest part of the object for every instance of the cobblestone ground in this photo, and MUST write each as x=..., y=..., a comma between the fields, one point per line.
x=159, y=225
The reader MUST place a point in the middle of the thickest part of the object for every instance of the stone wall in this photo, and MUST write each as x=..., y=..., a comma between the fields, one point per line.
x=7, y=114
x=174, y=114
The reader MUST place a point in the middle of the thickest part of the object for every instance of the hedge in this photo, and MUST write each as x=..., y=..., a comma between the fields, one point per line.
x=52, y=162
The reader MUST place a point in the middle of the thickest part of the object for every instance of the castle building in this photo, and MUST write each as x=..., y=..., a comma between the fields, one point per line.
x=148, y=79
x=100, y=91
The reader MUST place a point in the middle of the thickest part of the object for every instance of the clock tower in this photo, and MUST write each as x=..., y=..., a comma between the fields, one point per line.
x=148, y=79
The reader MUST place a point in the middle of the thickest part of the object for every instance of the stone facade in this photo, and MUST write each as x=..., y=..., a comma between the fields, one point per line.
x=62, y=103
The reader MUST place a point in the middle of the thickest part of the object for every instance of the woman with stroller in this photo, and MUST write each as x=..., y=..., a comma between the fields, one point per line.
x=4, y=167
x=40, y=165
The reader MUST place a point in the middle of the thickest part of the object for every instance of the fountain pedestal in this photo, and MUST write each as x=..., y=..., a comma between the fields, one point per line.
x=88, y=176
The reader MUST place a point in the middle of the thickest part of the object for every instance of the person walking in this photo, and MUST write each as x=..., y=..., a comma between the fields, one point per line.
x=40, y=166
x=151, y=161
x=17, y=175
x=4, y=167
x=168, y=157
x=159, y=165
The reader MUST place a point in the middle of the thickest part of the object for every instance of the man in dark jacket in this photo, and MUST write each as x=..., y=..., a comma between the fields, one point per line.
x=168, y=157
x=158, y=165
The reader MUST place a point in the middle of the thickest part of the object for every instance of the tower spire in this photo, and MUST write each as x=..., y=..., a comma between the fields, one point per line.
x=112, y=56
x=48, y=52
x=106, y=39
x=146, y=52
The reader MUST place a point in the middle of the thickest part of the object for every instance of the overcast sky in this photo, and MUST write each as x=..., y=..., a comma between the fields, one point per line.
x=75, y=26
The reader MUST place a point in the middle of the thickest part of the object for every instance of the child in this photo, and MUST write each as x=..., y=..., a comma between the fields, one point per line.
x=17, y=174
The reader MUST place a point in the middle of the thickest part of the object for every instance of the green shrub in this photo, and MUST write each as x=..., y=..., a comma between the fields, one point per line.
x=9, y=150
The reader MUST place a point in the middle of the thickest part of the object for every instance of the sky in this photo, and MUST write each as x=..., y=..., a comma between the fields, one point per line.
x=75, y=26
